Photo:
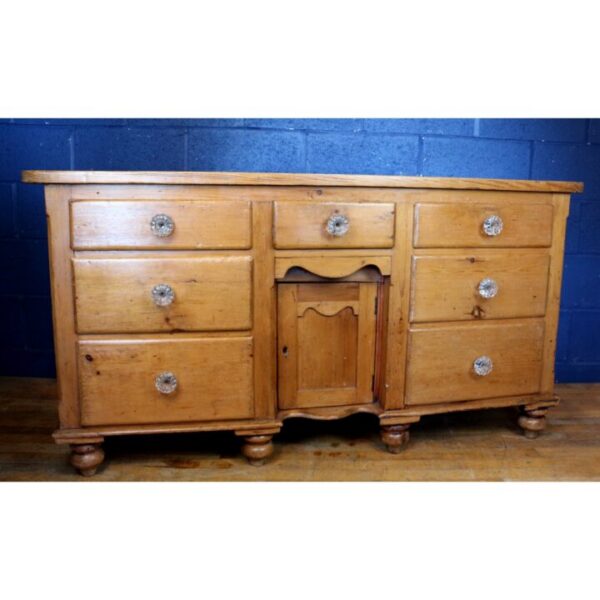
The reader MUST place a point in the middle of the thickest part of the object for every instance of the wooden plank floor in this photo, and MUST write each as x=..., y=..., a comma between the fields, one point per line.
x=468, y=446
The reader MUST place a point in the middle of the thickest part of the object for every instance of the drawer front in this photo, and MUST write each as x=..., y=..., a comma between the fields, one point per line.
x=334, y=225
x=118, y=380
x=478, y=286
x=151, y=224
x=129, y=295
x=484, y=225
x=441, y=361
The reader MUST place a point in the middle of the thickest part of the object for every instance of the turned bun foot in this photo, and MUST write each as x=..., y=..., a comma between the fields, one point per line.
x=257, y=448
x=395, y=437
x=86, y=458
x=532, y=422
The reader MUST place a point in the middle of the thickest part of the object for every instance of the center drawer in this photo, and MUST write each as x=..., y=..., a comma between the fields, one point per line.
x=143, y=295
x=334, y=225
x=126, y=382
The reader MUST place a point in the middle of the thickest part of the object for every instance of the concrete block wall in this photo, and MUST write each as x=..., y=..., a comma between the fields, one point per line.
x=507, y=148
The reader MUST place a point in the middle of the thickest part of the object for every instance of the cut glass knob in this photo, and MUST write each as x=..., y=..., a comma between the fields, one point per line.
x=493, y=225
x=166, y=382
x=162, y=225
x=338, y=225
x=487, y=288
x=483, y=365
x=163, y=294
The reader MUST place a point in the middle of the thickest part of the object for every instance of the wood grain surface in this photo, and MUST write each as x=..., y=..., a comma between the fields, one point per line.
x=326, y=344
x=460, y=225
x=126, y=224
x=237, y=178
x=445, y=287
x=114, y=295
x=440, y=360
x=303, y=225
x=214, y=380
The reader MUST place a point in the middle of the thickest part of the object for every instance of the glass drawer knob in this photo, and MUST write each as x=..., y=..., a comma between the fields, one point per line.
x=163, y=294
x=162, y=225
x=487, y=288
x=166, y=382
x=338, y=225
x=493, y=225
x=483, y=366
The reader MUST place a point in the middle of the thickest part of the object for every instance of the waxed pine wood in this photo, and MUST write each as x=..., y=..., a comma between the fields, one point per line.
x=126, y=224
x=264, y=316
x=326, y=344
x=63, y=307
x=214, y=380
x=331, y=265
x=440, y=363
x=561, y=212
x=298, y=179
x=303, y=225
x=114, y=295
x=397, y=313
x=459, y=225
x=275, y=318
x=445, y=287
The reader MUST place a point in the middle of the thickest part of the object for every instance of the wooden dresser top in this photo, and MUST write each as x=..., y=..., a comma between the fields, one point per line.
x=294, y=179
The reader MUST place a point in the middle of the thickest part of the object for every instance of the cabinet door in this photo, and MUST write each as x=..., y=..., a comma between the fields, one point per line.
x=327, y=334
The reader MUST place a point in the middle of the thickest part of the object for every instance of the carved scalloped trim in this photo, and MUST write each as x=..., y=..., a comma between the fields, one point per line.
x=332, y=267
x=330, y=413
x=325, y=308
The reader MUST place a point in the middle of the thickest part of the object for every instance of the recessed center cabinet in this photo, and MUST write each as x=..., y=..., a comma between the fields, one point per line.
x=327, y=342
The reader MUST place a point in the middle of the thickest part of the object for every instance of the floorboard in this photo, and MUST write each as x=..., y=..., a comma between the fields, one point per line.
x=465, y=446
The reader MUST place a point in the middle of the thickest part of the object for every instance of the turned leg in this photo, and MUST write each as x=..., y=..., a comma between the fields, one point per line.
x=395, y=437
x=86, y=458
x=257, y=448
x=532, y=421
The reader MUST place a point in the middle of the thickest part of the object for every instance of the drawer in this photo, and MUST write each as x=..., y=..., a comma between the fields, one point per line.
x=484, y=285
x=128, y=295
x=120, y=380
x=485, y=225
x=334, y=225
x=441, y=361
x=176, y=224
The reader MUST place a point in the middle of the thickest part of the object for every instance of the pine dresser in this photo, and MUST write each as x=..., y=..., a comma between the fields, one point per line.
x=190, y=302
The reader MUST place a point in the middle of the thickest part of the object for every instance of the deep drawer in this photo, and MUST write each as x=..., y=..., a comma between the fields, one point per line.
x=152, y=224
x=463, y=225
x=118, y=380
x=127, y=295
x=484, y=285
x=441, y=361
x=334, y=225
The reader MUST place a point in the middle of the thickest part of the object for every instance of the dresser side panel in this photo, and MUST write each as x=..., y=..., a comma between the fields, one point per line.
x=561, y=212
x=63, y=305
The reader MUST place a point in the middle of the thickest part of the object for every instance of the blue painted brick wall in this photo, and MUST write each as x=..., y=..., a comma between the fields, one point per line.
x=514, y=148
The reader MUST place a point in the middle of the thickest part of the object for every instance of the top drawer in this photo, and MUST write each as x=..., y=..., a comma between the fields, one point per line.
x=462, y=225
x=334, y=225
x=152, y=224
